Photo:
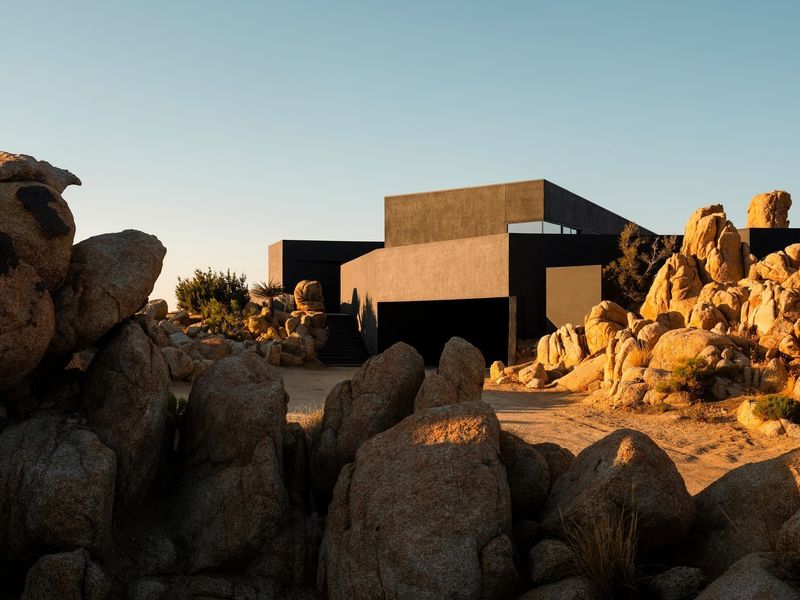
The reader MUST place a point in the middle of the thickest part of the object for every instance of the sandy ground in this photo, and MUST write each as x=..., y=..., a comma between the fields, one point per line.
x=703, y=451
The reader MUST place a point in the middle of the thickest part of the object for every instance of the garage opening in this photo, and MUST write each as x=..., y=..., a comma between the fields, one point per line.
x=427, y=325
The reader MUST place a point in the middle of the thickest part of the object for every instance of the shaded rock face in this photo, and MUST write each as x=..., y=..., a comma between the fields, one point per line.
x=56, y=488
x=125, y=396
x=109, y=279
x=419, y=512
x=463, y=365
x=41, y=226
x=67, y=576
x=572, y=588
x=27, y=322
x=231, y=499
x=528, y=475
x=21, y=167
x=622, y=471
x=679, y=344
x=458, y=379
x=770, y=209
x=308, y=296
x=379, y=395
x=755, y=576
x=741, y=511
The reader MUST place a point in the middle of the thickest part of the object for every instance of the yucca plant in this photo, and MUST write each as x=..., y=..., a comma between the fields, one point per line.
x=269, y=290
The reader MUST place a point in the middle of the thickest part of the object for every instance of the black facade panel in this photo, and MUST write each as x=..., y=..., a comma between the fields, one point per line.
x=427, y=325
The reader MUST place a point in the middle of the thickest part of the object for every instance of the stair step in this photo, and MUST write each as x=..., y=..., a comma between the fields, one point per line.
x=344, y=345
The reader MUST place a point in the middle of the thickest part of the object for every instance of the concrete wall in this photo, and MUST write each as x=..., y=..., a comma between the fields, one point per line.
x=460, y=213
x=487, y=210
x=291, y=261
x=450, y=270
x=572, y=292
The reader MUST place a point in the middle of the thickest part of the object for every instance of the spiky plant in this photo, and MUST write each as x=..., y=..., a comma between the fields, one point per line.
x=269, y=290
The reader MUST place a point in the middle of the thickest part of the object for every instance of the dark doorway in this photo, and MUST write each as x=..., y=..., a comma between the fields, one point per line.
x=427, y=325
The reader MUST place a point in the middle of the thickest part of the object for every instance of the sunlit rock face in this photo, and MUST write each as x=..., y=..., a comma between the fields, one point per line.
x=770, y=209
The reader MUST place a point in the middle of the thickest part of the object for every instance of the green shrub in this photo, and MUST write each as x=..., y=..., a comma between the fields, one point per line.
x=225, y=288
x=221, y=318
x=777, y=406
x=693, y=375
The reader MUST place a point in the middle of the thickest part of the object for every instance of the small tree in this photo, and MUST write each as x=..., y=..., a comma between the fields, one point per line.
x=627, y=279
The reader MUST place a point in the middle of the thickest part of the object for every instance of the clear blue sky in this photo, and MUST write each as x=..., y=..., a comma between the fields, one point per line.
x=224, y=126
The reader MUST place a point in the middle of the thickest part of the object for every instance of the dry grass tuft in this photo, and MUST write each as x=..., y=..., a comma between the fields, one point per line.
x=638, y=357
x=606, y=553
x=310, y=420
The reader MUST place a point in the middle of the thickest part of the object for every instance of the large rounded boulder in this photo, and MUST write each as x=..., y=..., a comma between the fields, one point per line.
x=770, y=209
x=308, y=296
x=125, y=395
x=679, y=344
x=27, y=322
x=21, y=167
x=232, y=501
x=41, y=225
x=109, y=279
x=625, y=472
x=742, y=512
x=423, y=512
x=528, y=474
x=463, y=365
x=379, y=395
x=56, y=488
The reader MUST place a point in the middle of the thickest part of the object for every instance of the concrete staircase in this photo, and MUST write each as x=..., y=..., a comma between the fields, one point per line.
x=344, y=346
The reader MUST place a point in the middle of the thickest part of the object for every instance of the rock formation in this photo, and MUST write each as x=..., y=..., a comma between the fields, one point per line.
x=770, y=209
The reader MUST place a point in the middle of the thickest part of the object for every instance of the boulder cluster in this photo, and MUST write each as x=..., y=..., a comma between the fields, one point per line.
x=713, y=300
x=289, y=337
x=410, y=489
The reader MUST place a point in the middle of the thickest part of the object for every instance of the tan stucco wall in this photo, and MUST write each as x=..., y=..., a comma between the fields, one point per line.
x=460, y=213
x=572, y=292
x=456, y=269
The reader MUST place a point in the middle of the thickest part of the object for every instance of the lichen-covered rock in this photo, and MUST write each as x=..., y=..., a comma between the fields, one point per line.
x=231, y=497
x=679, y=344
x=21, y=167
x=308, y=296
x=66, y=576
x=125, y=396
x=56, y=488
x=463, y=365
x=528, y=475
x=417, y=512
x=109, y=279
x=27, y=322
x=755, y=576
x=770, y=209
x=622, y=471
x=41, y=225
x=380, y=394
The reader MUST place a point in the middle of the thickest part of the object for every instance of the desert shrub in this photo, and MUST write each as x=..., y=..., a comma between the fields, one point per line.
x=638, y=357
x=310, y=420
x=222, y=318
x=627, y=279
x=777, y=406
x=693, y=375
x=606, y=552
x=205, y=286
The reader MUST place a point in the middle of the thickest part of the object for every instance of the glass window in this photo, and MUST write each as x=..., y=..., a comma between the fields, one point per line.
x=540, y=227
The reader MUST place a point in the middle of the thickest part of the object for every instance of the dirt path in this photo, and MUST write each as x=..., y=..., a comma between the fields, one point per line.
x=702, y=451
